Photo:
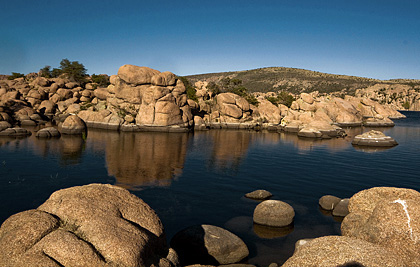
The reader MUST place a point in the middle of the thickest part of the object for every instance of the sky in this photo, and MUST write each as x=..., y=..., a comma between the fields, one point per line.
x=375, y=39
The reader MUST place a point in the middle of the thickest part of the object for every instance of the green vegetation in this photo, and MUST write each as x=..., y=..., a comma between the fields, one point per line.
x=101, y=80
x=15, y=75
x=191, y=92
x=228, y=85
x=74, y=70
x=283, y=98
x=290, y=80
x=406, y=105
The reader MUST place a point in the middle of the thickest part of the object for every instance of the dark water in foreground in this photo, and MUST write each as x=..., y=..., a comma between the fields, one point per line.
x=201, y=178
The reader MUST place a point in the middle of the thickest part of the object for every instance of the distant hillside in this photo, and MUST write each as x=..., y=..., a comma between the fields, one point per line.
x=296, y=80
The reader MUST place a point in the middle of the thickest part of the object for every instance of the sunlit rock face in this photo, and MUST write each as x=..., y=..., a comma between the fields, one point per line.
x=91, y=225
x=153, y=98
x=389, y=217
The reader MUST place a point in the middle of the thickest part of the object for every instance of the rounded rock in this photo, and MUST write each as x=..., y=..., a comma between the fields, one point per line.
x=48, y=132
x=91, y=225
x=274, y=213
x=342, y=208
x=328, y=202
x=73, y=125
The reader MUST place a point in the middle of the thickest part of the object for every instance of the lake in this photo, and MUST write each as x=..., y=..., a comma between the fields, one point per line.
x=201, y=177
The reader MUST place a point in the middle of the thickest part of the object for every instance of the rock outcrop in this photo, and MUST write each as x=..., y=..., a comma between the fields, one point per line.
x=92, y=225
x=153, y=98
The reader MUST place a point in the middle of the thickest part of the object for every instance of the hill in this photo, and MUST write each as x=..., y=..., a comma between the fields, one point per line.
x=296, y=80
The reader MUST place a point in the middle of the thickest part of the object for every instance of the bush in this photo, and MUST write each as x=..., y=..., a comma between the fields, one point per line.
x=101, y=80
x=191, y=92
x=15, y=75
x=283, y=98
x=406, y=105
x=214, y=88
x=273, y=100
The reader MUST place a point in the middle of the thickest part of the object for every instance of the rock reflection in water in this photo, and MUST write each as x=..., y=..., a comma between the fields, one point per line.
x=68, y=148
x=333, y=144
x=229, y=147
x=269, y=232
x=146, y=158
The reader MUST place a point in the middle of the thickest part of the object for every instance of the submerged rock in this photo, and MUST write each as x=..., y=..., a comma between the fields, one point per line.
x=259, y=194
x=208, y=244
x=375, y=139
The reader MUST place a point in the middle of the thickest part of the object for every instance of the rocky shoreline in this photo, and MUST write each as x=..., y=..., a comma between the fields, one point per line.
x=105, y=225
x=143, y=99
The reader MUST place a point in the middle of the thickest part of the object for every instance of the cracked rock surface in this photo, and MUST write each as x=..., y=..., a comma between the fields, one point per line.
x=91, y=225
x=389, y=217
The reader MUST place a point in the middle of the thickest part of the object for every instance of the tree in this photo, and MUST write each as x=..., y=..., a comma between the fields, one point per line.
x=74, y=70
x=45, y=72
x=15, y=75
x=55, y=73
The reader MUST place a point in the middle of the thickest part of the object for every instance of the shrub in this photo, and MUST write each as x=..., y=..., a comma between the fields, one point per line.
x=15, y=75
x=191, y=92
x=406, y=105
x=273, y=100
x=101, y=80
x=214, y=88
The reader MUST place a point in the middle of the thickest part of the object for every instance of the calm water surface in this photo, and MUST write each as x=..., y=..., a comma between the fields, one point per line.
x=201, y=178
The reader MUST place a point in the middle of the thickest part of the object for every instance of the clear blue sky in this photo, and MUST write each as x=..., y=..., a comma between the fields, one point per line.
x=378, y=39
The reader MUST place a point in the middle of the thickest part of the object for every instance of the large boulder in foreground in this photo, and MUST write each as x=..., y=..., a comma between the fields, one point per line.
x=208, y=244
x=92, y=225
x=389, y=217
x=342, y=251
x=274, y=213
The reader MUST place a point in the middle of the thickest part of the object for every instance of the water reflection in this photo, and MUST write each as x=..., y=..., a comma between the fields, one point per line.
x=69, y=149
x=268, y=232
x=138, y=159
x=229, y=148
x=146, y=158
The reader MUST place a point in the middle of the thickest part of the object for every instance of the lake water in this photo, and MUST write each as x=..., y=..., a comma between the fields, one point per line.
x=201, y=177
